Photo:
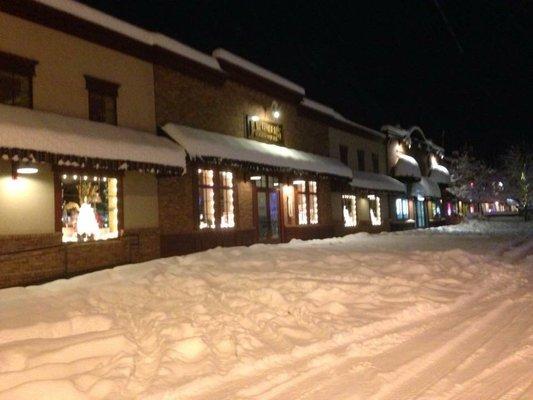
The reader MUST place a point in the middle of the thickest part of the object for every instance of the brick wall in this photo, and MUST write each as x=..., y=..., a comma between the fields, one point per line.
x=176, y=204
x=223, y=108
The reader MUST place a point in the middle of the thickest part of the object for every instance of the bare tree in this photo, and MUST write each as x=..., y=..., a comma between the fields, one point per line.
x=518, y=170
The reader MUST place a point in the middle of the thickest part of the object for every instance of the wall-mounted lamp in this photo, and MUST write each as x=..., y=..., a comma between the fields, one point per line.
x=276, y=110
x=17, y=170
x=255, y=178
x=254, y=118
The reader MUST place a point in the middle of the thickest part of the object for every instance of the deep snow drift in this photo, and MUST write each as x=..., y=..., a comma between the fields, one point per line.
x=445, y=313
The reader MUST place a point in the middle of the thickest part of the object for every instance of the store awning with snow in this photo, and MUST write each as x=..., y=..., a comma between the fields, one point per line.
x=407, y=167
x=425, y=188
x=373, y=181
x=440, y=174
x=205, y=145
x=36, y=136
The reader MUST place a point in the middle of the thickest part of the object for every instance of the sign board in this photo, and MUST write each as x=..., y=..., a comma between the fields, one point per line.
x=264, y=131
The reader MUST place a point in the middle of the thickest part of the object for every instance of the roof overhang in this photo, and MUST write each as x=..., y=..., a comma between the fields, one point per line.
x=407, y=167
x=373, y=181
x=200, y=144
x=36, y=136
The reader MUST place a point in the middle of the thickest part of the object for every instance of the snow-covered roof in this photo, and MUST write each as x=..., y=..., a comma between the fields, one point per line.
x=134, y=32
x=426, y=188
x=406, y=133
x=199, y=143
x=21, y=128
x=231, y=58
x=324, y=109
x=395, y=131
x=406, y=167
x=370, y=180
x=440, y=174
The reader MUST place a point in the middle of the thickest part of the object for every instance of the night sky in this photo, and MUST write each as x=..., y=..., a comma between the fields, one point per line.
x=462, y=70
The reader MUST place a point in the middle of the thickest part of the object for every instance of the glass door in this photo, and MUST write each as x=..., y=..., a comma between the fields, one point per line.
x=267, y=208
x=420, y=214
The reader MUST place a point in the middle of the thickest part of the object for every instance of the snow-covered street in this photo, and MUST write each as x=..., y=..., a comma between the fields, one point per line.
x=445, y=313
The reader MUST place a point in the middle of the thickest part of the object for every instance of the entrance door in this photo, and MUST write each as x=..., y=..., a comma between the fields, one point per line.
x=420, y=214
x=267, y=202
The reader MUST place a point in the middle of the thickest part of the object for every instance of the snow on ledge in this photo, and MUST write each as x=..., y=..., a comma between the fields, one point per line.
x=21, y=128
x=199, y=143
x=370, y=180
x=322, y=108
x=440, y=174
x=407, y=167
x=222, y=54
x=142, y=35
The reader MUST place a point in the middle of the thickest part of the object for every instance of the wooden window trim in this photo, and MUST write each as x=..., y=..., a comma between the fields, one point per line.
x=16, y=64
x=306, y=192
x=101, y=86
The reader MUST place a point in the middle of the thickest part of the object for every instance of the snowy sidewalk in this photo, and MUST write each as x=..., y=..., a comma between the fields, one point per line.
x=436, y=314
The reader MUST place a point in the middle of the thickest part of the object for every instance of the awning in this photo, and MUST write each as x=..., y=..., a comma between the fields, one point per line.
x=439, y=174
x=369, y=180
x=425, y=188
x=406, y=167
x=201, y=144
x=29, y=135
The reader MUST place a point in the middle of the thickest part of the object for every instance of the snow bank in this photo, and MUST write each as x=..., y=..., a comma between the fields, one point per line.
x=390, y=316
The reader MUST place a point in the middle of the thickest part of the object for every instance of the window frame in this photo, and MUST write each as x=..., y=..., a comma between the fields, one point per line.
x=404, y=216
x=343, y=154
x=353, y=213
x=21, y=66
x=58, y=171
x=100, y=87
x=375, y=163
x=361, y=160
x=218, y=197
x=377, y=200
x=307, y=194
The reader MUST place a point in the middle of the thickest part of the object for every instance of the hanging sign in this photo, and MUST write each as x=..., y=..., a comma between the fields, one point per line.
x=264, y=131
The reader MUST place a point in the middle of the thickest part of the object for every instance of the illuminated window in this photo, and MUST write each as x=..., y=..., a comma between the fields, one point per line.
x=89, y=207
x=301, y=202
x=206, y=198
x=402, y=209
x=435, y=208
x=375, y=209
x=211, y=192
x=306, y=201
x=349, y=210
x=227, y=217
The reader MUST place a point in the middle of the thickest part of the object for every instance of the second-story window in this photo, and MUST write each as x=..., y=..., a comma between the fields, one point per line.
x=343, y=154
x=102, y=100
x=360, y=160
x=375, y=163
x=16, y=80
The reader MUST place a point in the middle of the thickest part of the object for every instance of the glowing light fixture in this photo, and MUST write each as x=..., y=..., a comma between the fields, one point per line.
x=276, y=114
x=298, y=182
x=371, y=197
x=27, y=170
x=75, y=177
x=254, y=118
x=255, y=178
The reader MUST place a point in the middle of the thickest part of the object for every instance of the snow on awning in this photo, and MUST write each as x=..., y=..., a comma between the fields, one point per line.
x=440, y=174
x=42, y=136
x=425, y=188
x=199, y=144
x=369, y=180
x=406, y=167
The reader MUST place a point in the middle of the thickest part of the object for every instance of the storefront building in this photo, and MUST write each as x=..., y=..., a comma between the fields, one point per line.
x=416, y=161
x=258, y=164
x=364, y=203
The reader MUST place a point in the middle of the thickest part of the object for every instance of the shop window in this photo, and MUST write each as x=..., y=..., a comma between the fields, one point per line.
x=435, y=208
x=306, y=202
x=216, y=207
x=89, y=206
x=375, y=163
x=402, y=209
x=343, y=154
x=102, y=100
x=361, y=160
x=16, y=80
x=375, y=209
x=349, y=210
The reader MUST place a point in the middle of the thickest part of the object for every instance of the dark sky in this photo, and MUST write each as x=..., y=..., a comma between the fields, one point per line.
x=459, y=69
